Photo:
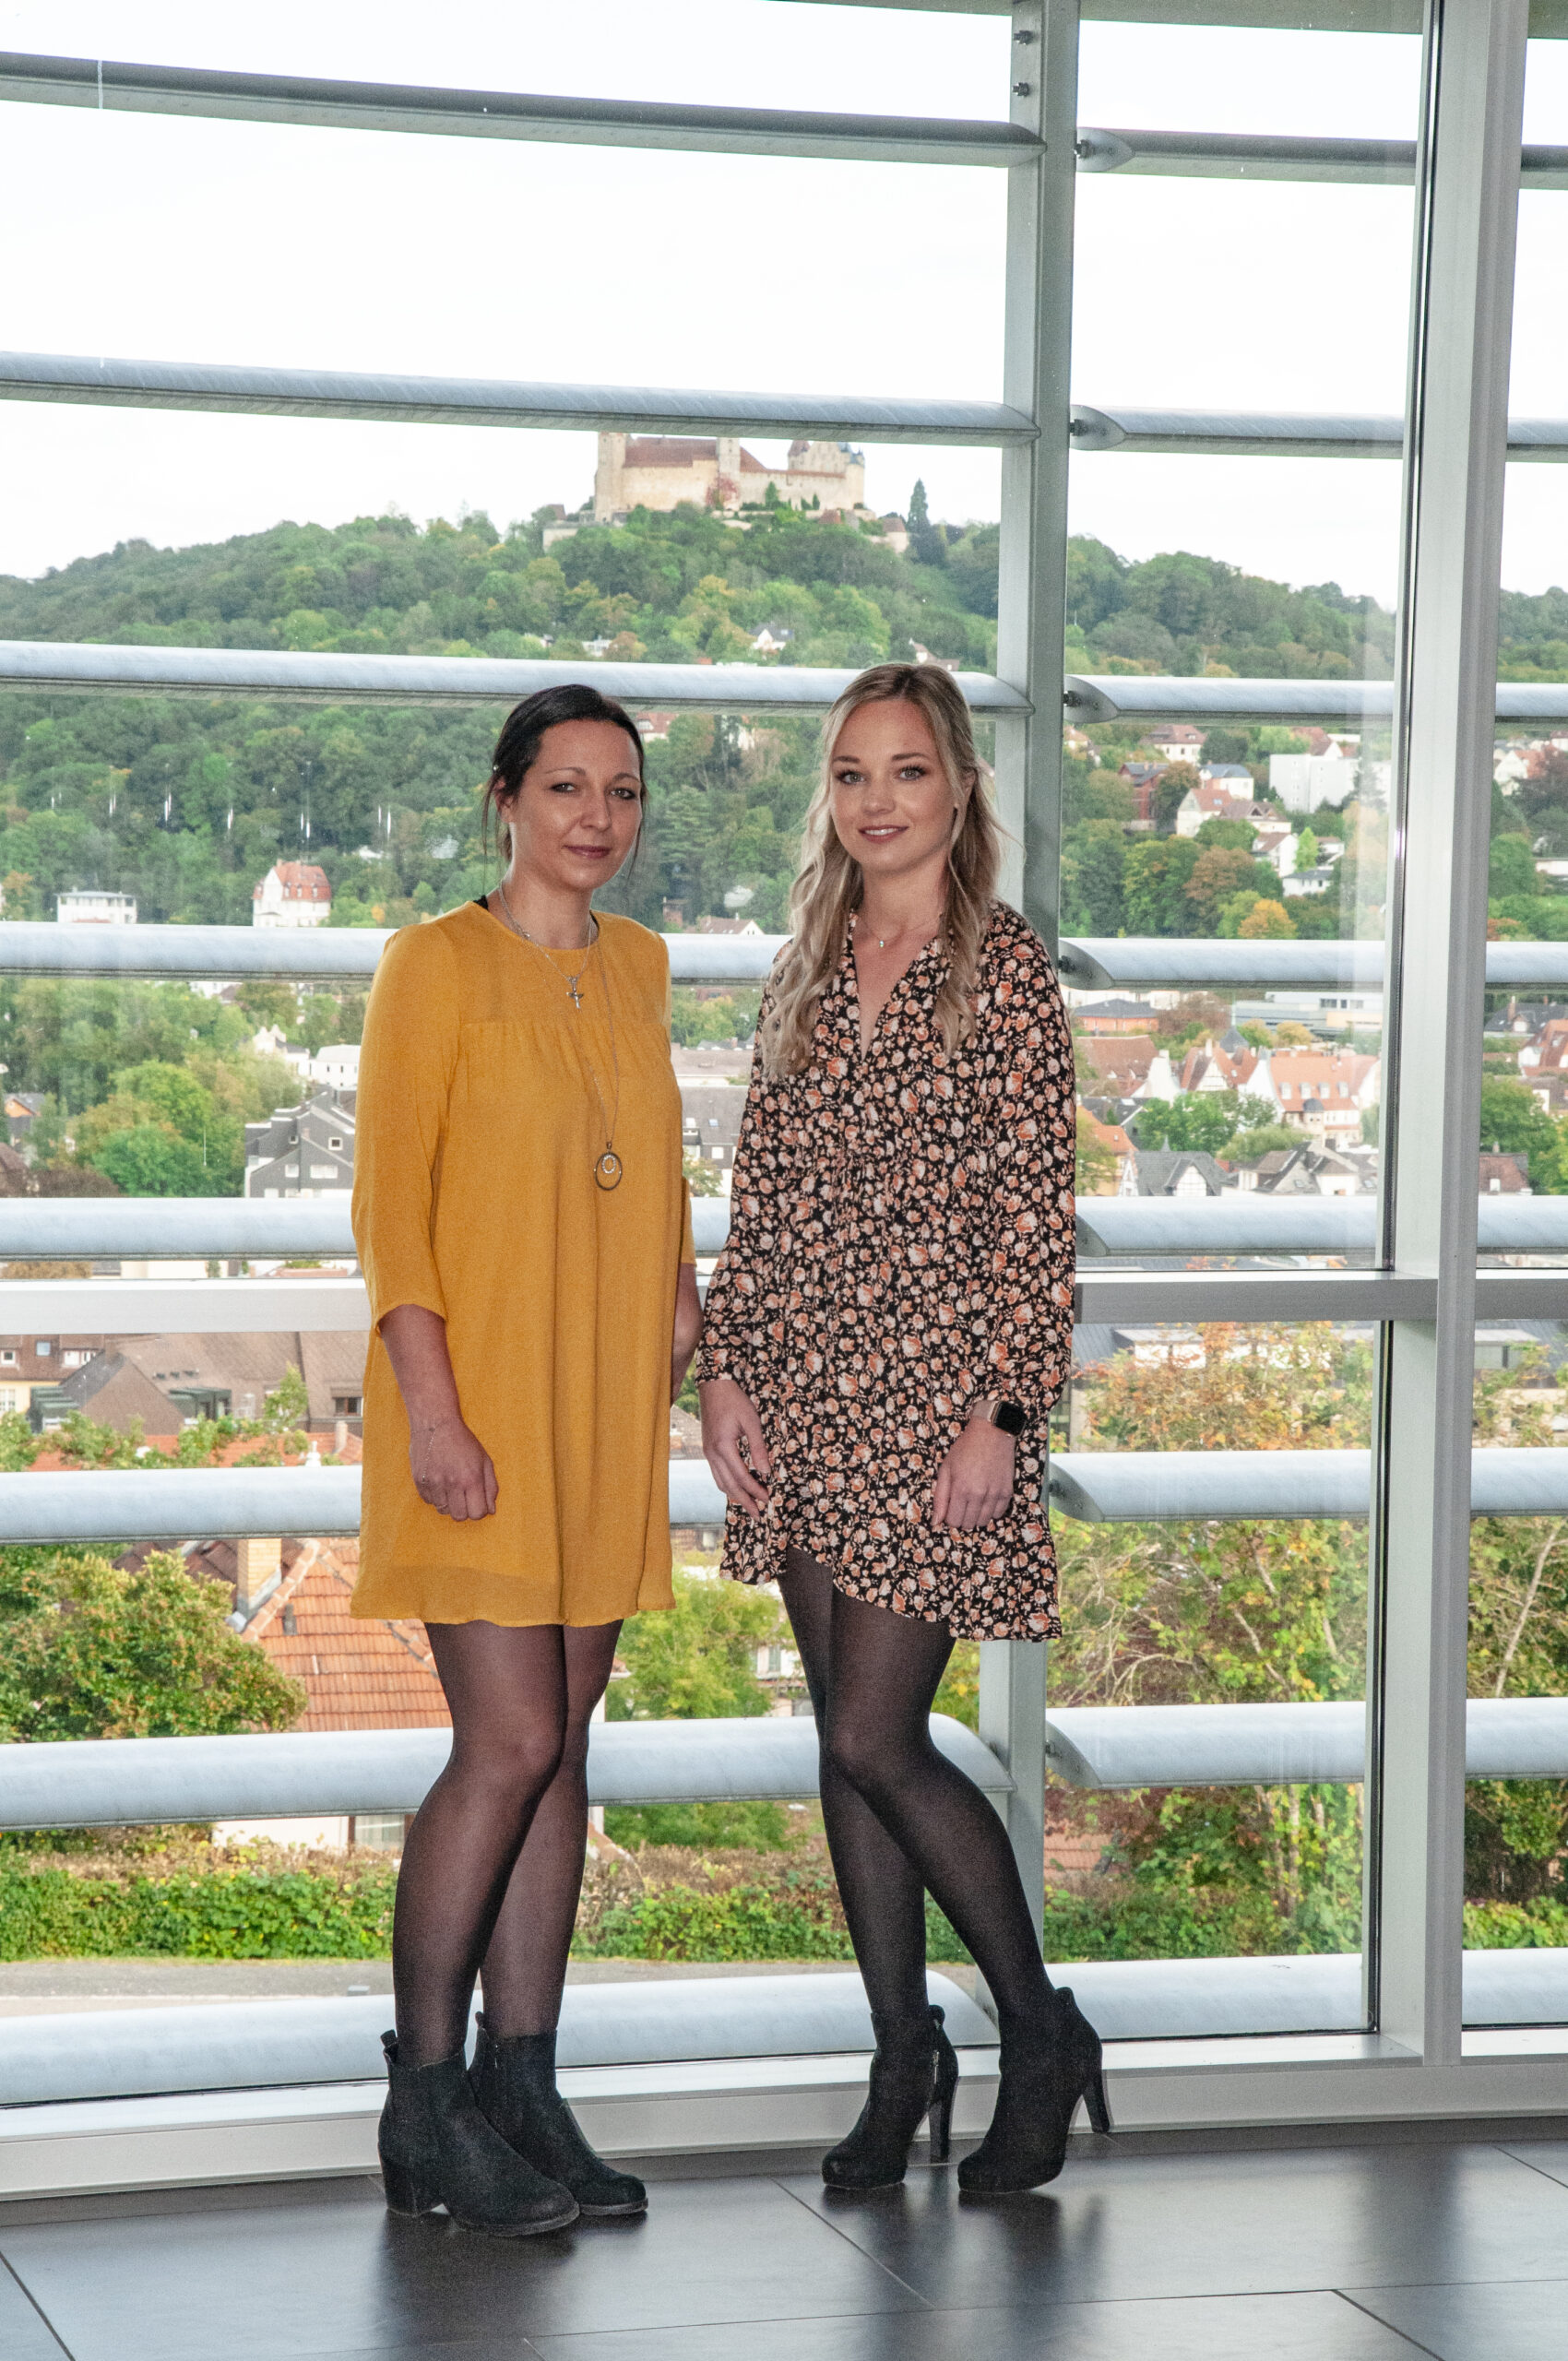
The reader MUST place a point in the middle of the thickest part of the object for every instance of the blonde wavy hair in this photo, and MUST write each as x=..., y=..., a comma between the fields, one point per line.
x=828, y=884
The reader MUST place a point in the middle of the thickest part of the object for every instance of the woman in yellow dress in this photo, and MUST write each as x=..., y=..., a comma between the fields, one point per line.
x=524, y=1229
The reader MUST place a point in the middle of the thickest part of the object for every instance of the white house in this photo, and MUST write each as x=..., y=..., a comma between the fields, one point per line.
x=337, y=1067
x=86, y=907
x=293, y=893
x=1303, y=781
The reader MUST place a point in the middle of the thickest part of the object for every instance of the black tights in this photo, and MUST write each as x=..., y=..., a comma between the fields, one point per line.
x=492, y=1865
x=901, y=1820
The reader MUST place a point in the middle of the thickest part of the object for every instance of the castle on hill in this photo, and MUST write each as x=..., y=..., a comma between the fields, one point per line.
x=659, y=471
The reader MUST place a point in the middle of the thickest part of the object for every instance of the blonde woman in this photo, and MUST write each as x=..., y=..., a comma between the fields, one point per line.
x=521, y=1217
x=884, y=1336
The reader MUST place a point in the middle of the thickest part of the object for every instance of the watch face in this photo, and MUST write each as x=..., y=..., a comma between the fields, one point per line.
x=1010, y=1417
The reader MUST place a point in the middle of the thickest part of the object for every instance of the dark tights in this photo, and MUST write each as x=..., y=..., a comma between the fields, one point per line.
x=901, y=1820
x=493, y=1862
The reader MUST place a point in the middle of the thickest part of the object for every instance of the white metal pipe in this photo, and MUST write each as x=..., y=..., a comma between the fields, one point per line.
x=113, y=86
x=289, y=1774
x=484, y=401
x=61, y=665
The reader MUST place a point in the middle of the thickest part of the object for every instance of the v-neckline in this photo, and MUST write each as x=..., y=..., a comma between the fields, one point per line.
x=865, y=1043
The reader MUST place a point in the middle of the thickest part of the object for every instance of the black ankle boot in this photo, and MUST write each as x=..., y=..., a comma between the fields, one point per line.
x=913, y=2074
x=1043, y=2081
x=438, y=2149
x=514, y=2083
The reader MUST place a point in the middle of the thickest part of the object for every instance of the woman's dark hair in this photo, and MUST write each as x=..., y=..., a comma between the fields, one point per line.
x=516, y=748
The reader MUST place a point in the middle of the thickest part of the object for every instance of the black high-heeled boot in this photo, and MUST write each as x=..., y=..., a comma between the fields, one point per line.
x=514, y=2083
x=438, y=2149
x=913, y=2074
x=1043, y=2081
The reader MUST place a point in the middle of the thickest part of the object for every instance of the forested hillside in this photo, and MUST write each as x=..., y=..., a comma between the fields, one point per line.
x=187, y=802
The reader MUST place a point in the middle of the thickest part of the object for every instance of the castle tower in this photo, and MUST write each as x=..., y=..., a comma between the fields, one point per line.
x=609, y=478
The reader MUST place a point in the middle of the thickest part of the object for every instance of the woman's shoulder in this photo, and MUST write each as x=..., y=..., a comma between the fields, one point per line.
x=631, y=944
x=1012, y=948
x=432, y=946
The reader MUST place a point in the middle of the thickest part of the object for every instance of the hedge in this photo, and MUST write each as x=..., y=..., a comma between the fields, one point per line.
x=52, y=1913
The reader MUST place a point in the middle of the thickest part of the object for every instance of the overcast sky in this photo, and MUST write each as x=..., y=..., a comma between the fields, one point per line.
x=147, y=237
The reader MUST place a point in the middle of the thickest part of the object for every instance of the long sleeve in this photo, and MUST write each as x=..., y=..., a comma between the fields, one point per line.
x=407, y=1065
x=688, y=1244
x=1028, y=1328
x=732, y=1314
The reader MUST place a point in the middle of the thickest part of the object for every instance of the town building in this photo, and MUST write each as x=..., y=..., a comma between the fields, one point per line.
x=168, y=1381
x=1215, y=801
x=1178, y=742
x=1112, y=1015
x=665, y=471
x=1307, y=1171
x=709, y=925
x=293, y=893
x=22, y=1110
x=304, y=1151
x=1171, y=1172
x=1143, y=778
x=1505, y=1175
x=1303, y=781
x=710, y=1123
x=87, y=906
x=31, y=1364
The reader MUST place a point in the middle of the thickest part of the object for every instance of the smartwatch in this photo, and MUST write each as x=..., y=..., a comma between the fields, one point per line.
x=1008, y=1416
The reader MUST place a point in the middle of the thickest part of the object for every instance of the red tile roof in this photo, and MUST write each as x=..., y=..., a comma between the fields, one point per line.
x=358, y=1675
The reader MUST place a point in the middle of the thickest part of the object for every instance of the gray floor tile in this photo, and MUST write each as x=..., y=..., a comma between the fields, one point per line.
x=307, y=2282
x=1549, y=2157
x=1317, y=2327
x=1217, y=2224
x=23, y=2336
x=1476, y=2323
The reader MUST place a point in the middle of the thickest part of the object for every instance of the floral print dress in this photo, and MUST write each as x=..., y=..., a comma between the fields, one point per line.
x=900, y=1247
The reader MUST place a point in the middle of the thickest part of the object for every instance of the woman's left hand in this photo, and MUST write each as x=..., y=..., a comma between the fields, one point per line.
x=974, y=1482
x=688, y=1327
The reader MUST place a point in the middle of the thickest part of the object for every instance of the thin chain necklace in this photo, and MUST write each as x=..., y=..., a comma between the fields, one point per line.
x=608, y=1166
x=884, y=939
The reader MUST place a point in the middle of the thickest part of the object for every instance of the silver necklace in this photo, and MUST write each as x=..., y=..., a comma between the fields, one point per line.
x=608, y=1166
x=571, y=983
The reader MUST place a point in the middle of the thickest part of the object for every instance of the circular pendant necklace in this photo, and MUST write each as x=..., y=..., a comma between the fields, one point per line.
x=608, y=1168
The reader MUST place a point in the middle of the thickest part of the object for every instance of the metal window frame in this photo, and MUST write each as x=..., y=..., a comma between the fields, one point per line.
x=1456, y=446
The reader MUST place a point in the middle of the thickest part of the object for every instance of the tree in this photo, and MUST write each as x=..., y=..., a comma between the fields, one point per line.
x=1218, y=876
x=1094, y=857
x=1265, y=1139
x=1306, y=850
x=1266, y=921
x=1176, y=782
x=151, y=1161
x=696, y=1661
x=1511, y=867
x=287, y=1408
x=928, y=544
x=1094, y=1160
x=87, y=1650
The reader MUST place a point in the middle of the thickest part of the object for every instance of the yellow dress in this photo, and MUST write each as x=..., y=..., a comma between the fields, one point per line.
x=476, y=1133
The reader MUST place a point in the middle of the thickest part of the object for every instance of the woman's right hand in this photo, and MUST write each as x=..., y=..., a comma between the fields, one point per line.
x=730, y=1419
x=453, y=1471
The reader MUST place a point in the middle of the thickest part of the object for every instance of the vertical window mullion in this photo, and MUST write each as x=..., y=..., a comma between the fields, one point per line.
x=1467, y=201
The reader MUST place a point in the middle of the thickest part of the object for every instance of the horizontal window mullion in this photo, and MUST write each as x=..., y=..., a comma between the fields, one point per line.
x=479, y=401
x=116, y=87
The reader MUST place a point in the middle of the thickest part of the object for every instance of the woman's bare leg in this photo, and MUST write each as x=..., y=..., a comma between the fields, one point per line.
x=878, y=1884
x=525, y=1967
x=508, y=1690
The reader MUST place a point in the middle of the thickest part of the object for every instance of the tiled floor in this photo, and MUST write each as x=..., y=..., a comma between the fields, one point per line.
x=1320, y=2253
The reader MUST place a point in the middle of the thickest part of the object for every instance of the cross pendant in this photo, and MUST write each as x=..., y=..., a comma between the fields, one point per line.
x=577, y=996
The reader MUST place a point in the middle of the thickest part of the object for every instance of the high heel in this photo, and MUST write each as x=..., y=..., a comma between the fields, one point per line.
x=1042, y=2082
x=514, y=2083
x=914, y=2074
x=438, y=2149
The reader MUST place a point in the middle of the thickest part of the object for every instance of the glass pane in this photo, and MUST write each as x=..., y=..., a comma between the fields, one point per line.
x=1523, y=1172
x=1255, y=1625
x=705, y=53
x=1517, y=1805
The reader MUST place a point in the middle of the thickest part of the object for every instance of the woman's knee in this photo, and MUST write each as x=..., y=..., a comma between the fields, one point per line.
x=521, y=1759
x=861, y=1752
